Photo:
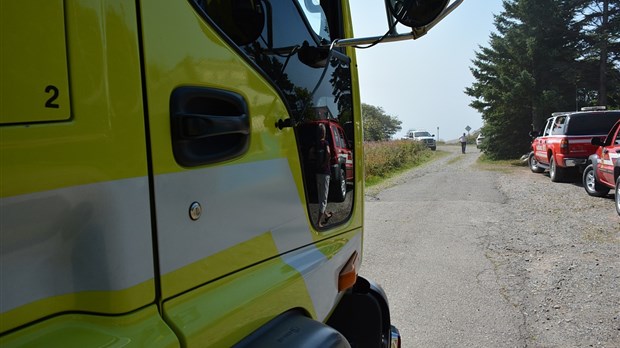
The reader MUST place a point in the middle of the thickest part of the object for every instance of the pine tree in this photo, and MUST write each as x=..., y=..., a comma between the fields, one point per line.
x=526, y=73
x=598, y=22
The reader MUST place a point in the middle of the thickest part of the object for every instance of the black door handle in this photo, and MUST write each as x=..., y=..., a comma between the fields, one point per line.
x=197, y=126
x=208, y=125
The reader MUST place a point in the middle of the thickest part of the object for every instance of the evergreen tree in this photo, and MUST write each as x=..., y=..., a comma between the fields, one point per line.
x=598, y=22
x=526, y=73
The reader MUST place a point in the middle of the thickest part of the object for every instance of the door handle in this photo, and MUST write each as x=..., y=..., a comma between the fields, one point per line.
x=208, y=125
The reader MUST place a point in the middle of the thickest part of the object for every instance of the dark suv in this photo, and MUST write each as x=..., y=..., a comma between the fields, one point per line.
x=603, y=170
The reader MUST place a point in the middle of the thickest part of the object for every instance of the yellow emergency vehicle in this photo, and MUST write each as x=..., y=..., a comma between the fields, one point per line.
x=156, y=189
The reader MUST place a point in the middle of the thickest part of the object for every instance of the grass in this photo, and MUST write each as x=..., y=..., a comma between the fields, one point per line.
x=501, y=166
x=384, y=160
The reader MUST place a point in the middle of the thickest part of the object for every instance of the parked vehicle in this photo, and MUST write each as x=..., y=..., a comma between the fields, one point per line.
x=424, y=137
x=341, y=160
x=479, y=140
x=603, y=170
x=565, y=143
x=152, y=182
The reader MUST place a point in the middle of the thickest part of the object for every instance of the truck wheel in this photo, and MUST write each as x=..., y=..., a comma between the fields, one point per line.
x=555, y=173
x=593, y=187
x=339, y=188
x=533, y=163
x=618, y=195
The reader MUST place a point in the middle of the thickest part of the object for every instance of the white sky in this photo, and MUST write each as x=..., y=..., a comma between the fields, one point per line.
x=422, y=82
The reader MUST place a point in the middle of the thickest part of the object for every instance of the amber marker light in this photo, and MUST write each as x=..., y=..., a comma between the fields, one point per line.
x=348, y=274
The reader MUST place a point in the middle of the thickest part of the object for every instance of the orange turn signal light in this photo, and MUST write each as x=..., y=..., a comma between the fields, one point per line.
x=348, y=274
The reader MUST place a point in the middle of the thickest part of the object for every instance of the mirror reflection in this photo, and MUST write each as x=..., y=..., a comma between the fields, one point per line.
x=316, y=86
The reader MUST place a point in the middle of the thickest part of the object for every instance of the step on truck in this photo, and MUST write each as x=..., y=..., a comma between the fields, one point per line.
x=153, y=187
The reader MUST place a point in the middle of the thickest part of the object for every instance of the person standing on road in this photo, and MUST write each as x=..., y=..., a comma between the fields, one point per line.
x=463, y=140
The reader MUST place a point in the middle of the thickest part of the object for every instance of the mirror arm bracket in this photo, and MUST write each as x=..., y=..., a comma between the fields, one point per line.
x=373, y=39
x=393, y=36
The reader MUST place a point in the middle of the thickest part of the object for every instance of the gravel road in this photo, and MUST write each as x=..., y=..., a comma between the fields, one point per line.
x=494, y=256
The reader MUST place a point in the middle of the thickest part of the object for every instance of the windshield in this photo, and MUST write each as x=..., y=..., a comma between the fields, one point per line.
x=316, y=17
x=422, y=134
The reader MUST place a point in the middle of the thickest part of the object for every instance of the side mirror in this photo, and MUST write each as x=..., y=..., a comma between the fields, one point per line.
x=597, y=141
x=420, y=15
x=416, y=13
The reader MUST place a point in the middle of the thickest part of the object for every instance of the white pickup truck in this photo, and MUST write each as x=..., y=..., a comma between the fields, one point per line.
x=425, y=137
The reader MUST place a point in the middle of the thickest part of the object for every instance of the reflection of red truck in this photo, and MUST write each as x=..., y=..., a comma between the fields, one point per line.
x=603, y=171
x=565, y=143
x=341, y=150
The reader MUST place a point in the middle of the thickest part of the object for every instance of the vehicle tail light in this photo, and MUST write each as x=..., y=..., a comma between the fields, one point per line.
x=564, y=146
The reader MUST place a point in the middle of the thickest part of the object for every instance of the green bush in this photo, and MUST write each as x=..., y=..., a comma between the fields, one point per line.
x=383, y=158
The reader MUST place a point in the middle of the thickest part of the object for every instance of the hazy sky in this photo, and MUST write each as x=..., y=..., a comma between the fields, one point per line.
x=421, y=82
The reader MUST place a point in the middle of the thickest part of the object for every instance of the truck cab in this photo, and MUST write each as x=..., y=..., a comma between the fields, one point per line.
x=154, y=189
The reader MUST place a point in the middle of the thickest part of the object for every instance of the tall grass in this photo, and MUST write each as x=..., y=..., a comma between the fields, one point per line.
x=383, y=158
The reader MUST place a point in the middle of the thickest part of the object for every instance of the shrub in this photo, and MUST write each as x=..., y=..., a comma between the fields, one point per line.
x=383, y=158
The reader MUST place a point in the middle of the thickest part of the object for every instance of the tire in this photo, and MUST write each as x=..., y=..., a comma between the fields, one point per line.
x=556, y=173
x=339, y=188
x=433, y=148
x=592, y=186
x=533, y=164
x=617, y=192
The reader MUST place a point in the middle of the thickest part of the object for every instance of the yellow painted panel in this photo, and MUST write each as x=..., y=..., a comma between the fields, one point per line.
x=33, y=62
x=105, y=137
x=219, y=264
x=143, y=328
x=92, y=301
x=223, y=312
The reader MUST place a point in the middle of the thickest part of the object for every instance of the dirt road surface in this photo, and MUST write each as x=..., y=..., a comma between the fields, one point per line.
x=472, y=256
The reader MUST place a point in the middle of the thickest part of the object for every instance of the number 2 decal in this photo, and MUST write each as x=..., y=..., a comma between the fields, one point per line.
x=50, y=103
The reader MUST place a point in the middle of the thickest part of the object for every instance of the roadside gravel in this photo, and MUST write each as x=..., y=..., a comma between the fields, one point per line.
x=554, y=250
x=560, y=265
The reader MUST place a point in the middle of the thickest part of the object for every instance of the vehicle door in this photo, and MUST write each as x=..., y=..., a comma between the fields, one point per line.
x=540, y=143
x=227, y=87
x=609, y=155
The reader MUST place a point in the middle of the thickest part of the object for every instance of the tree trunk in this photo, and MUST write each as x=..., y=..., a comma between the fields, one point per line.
x=602, y=89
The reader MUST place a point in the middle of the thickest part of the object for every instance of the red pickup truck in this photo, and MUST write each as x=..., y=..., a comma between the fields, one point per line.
x=566, y=141
x=603, y=171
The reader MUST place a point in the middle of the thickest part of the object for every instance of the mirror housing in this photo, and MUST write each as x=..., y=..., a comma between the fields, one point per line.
x=415, y=13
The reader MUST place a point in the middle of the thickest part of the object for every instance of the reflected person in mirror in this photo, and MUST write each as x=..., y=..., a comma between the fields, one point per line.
x=322, y=154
